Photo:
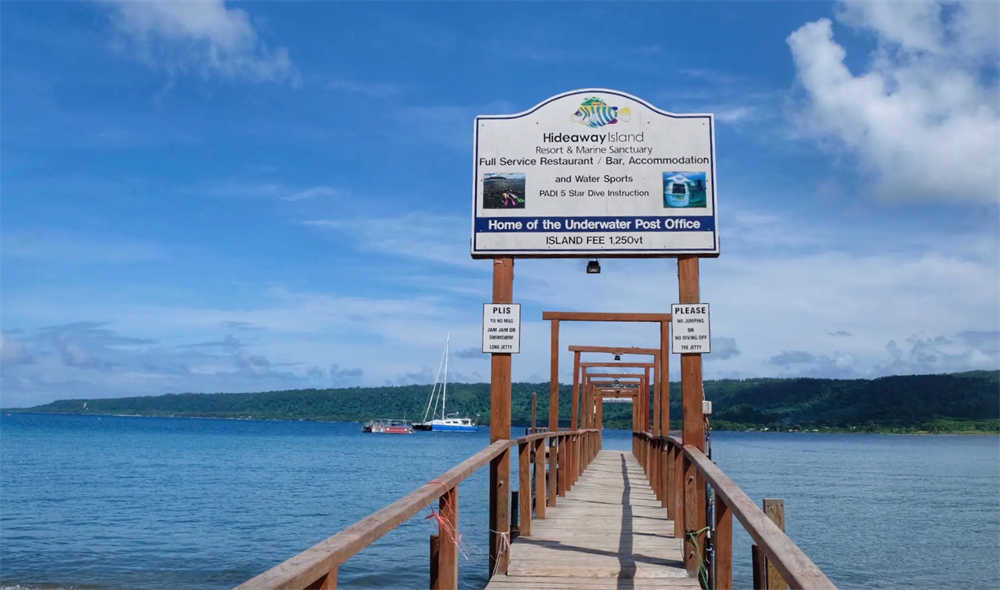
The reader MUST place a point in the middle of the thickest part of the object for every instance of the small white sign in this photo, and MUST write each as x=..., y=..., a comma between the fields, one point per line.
x=502, y=328
x=691, y=331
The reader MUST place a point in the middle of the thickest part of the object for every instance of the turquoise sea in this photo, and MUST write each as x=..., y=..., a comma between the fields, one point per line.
x=163, y=503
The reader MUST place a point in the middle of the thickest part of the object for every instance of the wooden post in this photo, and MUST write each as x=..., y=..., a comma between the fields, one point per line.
x=723, y=545
x=553, y=449
x=663, y=376
x=668, y=500
x=540, y=494
x=665, y=475
x=576, y=390
x=330, y=580
x=561, y=466
x=447, y=561
x=579, y=458
x=694, y=422
x=534, y=413
x=655, y=430
x=503, y=292
x=774, y=508
x=553, y=412
x=554, y=382
x=759, y=567
x=435, y=556
x=524, y=486
x=679, y=527
x=515, y=515
x=600, y=415
x=653, y=463
x=693, y=515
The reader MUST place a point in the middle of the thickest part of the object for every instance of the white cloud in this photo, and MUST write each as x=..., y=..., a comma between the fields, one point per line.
x=61, y=246
x=443, y=239
x=312, y=193
x=734, y=114
x=199, y=35
x=238, y=188
x=12, y=352
x=924, y=120
x=370, y=89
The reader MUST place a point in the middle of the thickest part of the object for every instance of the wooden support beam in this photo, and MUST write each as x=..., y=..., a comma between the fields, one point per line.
x=435, y=553
x=629, y=376
x=621, y=364
x=723, y=546
x=500, y=406
x=663, y=378
x=553, y=449
x=679, y=524
x=656, y=400
x=694, y=422
x=774, y=508
x=540, y=494
x=534, y=413
x=330, y=580
x=554, y=379
x=614, y=349
x=597, y=316
x=524, y=487
x=574, y=411
x=561, y=468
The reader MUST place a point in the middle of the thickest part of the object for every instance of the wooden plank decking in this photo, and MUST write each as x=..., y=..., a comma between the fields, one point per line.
x=608, y=533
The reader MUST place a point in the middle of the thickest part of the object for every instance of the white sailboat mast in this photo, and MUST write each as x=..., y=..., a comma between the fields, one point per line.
x=444, y=393
x=432, y=399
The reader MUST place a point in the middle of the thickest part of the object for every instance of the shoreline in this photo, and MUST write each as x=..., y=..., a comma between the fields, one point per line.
x=905, y=430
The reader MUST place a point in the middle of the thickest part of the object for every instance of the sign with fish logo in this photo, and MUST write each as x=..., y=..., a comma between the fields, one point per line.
x=594, y=112
x=616, y=177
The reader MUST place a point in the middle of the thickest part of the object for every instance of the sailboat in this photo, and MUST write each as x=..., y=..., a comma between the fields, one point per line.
x=439, y=394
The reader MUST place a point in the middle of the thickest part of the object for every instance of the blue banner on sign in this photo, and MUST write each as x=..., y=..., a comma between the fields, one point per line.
x=594, y=224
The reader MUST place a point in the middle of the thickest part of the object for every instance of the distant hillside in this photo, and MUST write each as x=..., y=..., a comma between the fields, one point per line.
x=933, y=403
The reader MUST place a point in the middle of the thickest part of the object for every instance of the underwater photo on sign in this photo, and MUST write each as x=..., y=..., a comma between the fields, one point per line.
x=503, y=191
x=684, y=189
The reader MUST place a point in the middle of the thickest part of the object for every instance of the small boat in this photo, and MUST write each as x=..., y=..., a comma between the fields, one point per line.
x=387, y=426
x=439, y=394
x=448, y=424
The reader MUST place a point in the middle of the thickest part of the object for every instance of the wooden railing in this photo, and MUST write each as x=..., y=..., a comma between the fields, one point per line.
x=317, y=567
x=672, y=465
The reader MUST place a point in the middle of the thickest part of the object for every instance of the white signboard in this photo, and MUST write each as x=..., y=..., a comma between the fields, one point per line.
x=502, y=327
x=594, y=173
x=691, y=332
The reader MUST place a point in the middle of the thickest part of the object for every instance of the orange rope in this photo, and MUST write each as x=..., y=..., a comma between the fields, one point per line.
x=447, y=532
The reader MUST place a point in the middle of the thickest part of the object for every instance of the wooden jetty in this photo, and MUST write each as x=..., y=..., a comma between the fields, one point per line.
x=582, y=519
x=609, y=532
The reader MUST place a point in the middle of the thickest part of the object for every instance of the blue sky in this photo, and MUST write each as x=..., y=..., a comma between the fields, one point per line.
x=211, y=196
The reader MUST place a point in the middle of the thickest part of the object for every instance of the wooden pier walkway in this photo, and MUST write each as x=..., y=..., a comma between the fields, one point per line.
x=608, y=532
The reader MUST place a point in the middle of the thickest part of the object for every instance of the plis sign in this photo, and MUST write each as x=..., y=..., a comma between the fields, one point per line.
x=502, y=328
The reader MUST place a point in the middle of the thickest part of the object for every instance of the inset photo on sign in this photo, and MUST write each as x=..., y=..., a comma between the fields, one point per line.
x=503, y=190
x=684, y=190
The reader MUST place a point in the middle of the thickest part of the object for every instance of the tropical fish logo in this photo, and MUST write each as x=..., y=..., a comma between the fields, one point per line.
x=594, y=112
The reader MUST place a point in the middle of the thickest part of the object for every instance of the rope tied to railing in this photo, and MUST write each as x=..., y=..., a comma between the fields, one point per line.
x=438, y=482
x=692, y=536
x=447, y=532
x=503, y=547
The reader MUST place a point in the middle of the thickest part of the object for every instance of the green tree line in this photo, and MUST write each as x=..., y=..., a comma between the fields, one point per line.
x=928, y=403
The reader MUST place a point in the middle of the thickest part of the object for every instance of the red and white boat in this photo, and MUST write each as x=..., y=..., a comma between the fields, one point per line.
x=386, y=426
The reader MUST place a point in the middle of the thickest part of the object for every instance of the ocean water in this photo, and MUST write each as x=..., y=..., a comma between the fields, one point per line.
x=161, y=503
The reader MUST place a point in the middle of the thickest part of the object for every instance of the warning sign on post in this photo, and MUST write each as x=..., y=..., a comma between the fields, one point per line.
x=691, y=332
x=502, y=327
